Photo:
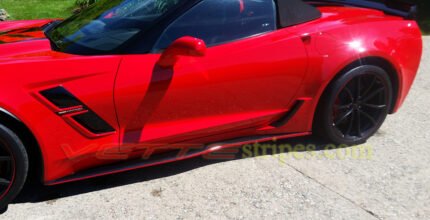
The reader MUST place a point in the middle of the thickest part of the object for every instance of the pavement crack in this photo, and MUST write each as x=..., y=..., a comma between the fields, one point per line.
x=337, y=193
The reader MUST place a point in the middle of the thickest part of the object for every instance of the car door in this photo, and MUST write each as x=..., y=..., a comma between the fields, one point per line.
x=247, y=78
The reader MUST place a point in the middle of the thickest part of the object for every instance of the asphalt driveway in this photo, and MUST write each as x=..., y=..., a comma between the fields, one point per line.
x=391, y=181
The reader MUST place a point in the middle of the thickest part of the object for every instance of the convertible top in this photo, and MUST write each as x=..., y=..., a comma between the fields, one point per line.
x=292, y=12
x=402, y=8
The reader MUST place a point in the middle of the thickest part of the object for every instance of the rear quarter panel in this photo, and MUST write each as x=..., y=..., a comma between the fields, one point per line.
x=345, y=35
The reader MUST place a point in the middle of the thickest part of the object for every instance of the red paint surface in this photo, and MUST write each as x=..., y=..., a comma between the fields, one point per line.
x=234, y=90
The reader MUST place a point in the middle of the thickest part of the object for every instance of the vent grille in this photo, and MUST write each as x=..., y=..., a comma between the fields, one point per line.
x=60, y=97
x=93, y=123
x=71, y=107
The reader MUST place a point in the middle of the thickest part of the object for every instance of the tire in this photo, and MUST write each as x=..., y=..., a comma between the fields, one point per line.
x=354, y=106
x=14, y=166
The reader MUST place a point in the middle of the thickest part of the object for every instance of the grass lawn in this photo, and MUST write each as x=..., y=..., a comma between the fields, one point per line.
x=33, y=9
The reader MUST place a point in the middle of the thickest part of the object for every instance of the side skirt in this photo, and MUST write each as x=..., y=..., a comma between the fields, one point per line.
x=168, y=158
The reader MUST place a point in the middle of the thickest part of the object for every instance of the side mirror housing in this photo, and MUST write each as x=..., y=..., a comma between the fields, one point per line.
x=184, y=46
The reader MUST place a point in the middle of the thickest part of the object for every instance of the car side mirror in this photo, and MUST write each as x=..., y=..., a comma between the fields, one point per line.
x=184, y=46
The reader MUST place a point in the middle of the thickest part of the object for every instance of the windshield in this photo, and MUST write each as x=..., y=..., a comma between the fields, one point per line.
x=108, y=24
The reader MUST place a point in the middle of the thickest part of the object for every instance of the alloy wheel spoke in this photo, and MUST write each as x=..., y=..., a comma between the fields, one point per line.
x=342, y=107
x=373, y=94
x=343, y=117
x=369, y=88
x=4, y=158
x=374, y=106
x=351, y=123
x=357, y=97
x=347, y=90
x=368, y=116
x=359, y=123
x=4, y=182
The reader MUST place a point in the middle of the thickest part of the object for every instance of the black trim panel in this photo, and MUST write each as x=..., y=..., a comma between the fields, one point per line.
x=286, y=118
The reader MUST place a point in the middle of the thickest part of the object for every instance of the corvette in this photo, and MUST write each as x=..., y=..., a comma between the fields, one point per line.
x=125, y=83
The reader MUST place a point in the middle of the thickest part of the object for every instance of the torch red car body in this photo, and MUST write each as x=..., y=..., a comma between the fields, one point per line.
x=73, y=112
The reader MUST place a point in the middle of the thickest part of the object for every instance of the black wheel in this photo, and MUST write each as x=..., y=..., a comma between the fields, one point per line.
x=13, y=166
x=354, y=106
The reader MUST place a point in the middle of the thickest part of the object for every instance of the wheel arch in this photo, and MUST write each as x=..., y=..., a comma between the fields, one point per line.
x=36, y=168
x=379, y=62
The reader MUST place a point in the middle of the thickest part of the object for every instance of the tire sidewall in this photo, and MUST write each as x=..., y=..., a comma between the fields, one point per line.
x=10, y=141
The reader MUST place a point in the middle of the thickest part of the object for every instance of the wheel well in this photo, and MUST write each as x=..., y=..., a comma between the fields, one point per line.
x=30, y=143
x=382, y=63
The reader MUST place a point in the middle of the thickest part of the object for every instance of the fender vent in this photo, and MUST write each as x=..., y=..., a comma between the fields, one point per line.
x=73, y=110
x=60, y=97
x=93, y=123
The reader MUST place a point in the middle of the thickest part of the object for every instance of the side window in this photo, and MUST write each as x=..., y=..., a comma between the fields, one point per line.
x=221, y=21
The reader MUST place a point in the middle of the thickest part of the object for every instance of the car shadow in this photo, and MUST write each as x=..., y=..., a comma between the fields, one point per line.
x=34, y=192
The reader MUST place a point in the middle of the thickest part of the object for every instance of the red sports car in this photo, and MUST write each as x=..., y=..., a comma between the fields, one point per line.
x=127, y=84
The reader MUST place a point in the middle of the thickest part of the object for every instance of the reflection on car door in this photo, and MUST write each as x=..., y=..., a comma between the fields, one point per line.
x=237, y=85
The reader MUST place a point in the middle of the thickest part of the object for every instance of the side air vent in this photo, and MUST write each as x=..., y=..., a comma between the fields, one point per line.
x=93, y=123
x=75, y=112
x=290, y=114
x=60, y=97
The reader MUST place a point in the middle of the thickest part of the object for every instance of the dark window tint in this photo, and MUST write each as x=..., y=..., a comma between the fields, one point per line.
x=221, y=21
x=108, y=24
